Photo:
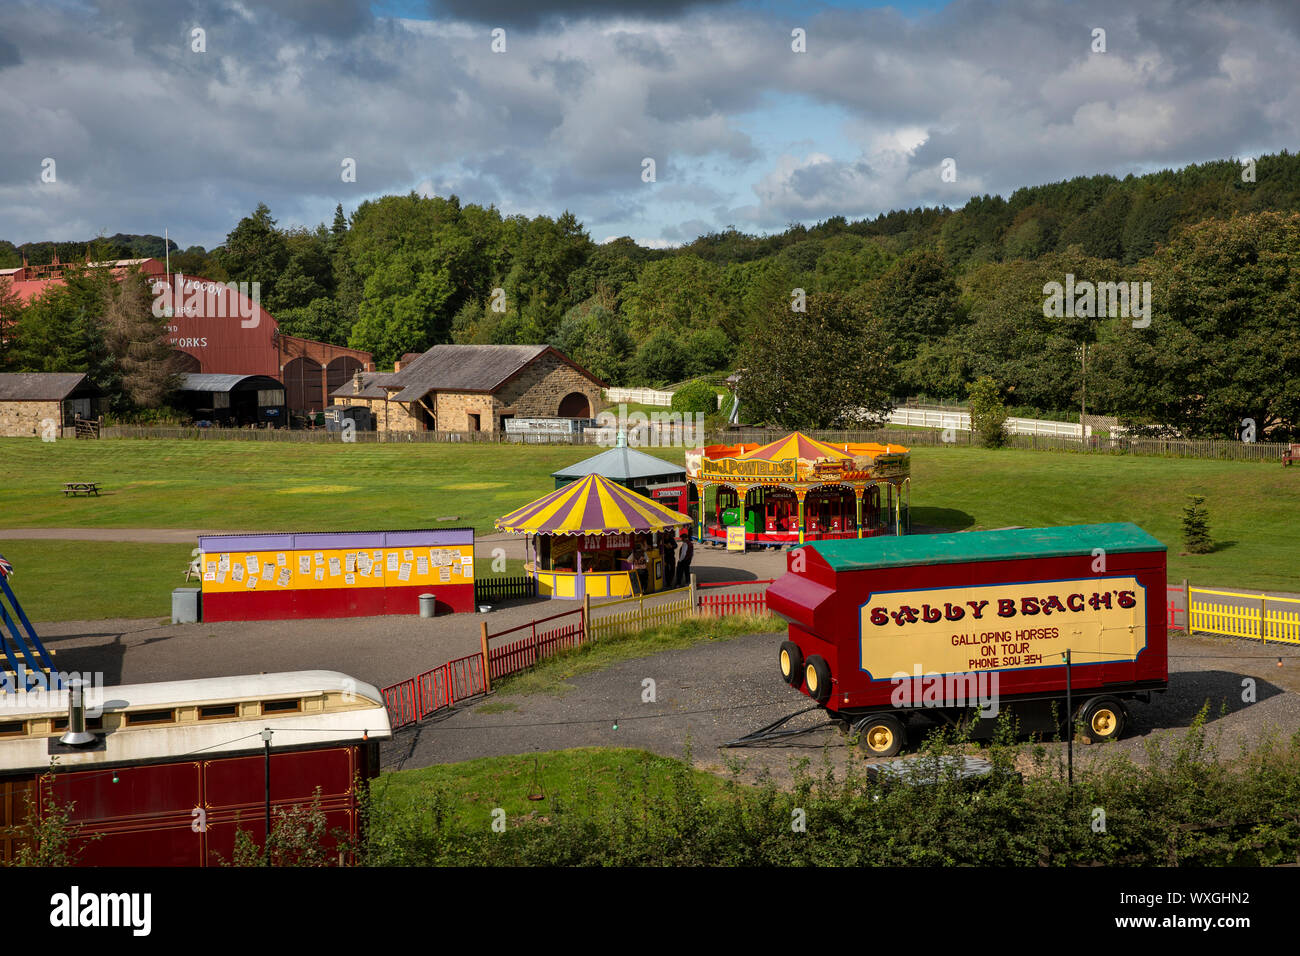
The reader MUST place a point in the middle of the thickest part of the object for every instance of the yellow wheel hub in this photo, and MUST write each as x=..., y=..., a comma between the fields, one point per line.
x=880, y=738
x=810, y=674
x=1103, y=722
x=785, y=663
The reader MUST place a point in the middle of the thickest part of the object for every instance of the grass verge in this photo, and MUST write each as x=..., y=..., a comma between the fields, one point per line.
x=550, y=675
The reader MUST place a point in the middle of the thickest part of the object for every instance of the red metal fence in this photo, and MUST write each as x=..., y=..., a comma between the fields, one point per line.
x=525, y=652
x=412, y=700
x=417, y=697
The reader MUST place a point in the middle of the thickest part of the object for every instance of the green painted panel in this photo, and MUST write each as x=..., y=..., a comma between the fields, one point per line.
x=1008, y=545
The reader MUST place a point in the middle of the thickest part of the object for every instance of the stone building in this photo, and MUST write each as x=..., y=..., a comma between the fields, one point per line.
x=474, y=388
x=46, y=404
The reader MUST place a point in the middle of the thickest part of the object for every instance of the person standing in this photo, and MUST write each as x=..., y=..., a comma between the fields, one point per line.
x=669, y=553
x=685, y=551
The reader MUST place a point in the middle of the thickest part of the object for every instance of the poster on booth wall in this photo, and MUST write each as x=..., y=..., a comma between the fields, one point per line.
x=736, y=538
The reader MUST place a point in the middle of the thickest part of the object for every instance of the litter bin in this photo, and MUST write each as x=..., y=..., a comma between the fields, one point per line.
x=428, y=605
x=185, y=605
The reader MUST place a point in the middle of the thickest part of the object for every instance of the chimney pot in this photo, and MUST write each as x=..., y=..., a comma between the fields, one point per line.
x=76, y=735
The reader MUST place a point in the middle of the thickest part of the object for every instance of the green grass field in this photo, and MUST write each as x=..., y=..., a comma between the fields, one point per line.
x=255, y=486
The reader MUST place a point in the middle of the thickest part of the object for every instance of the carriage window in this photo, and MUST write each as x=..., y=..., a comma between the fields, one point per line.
x=218, y=710
x=281, y=706
x=12, y=728
x=141, y=717
x=92, y=723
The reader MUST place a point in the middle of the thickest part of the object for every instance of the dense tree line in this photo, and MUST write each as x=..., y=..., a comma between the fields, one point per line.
x=925, y=300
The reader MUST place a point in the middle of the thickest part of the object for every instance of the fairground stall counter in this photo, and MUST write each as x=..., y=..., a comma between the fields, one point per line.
x=798, y=489
x=596, y=538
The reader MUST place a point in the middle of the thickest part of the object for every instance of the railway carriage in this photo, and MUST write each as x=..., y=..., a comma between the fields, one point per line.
x=164, y=774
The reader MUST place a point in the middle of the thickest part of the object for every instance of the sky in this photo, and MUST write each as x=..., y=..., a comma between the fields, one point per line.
x=118, y=117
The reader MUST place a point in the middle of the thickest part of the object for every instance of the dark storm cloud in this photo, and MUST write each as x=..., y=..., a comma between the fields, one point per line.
x=527, y=13
x=9, y=55
x=150, y=22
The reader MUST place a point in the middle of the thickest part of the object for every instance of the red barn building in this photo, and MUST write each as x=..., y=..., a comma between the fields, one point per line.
x=222, y=330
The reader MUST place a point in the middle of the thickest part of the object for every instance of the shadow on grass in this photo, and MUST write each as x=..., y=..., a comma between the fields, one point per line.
x=949, y=519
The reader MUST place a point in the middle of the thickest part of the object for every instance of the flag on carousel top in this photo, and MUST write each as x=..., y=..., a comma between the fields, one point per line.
x=6, y=568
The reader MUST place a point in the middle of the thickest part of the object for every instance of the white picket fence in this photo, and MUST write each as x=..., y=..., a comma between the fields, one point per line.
x=640, y=396
x=959, y=420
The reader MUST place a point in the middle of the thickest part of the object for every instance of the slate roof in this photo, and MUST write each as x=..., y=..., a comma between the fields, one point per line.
x=41, y=386
x=463, y=368
x=450, y=368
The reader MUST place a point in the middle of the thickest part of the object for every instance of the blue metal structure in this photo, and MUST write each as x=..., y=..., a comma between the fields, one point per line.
x=25, y=658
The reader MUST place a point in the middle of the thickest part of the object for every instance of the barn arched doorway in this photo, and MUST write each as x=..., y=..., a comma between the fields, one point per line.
x=337, y=374
x=185, y=363
x=575, y=405
x=302, y=383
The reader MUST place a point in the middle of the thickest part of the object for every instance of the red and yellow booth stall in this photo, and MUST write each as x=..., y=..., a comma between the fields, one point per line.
x=798, y=489
x=596, y=538
x=262, y=577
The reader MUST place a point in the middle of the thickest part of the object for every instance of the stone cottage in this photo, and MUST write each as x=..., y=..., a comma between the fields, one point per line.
x=46, y=404
x=474, y=388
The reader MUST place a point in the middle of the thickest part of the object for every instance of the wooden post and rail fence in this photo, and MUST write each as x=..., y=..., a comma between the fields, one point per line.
x=1251, y=616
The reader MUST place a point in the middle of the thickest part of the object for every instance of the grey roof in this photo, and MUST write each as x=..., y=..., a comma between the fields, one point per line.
x=449, y=368
x=202, y=382
x=621, y=464
x=372, y=386
x=40, y=386
x=462, y=368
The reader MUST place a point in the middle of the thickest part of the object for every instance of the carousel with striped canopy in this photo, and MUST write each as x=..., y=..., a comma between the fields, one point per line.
x=596, y=538
x=798, y=489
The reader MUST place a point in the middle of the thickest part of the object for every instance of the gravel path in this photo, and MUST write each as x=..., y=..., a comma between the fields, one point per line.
x=709, y=694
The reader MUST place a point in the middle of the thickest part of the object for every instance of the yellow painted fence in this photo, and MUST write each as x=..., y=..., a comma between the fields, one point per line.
x=1254, y=616
x=636, y=613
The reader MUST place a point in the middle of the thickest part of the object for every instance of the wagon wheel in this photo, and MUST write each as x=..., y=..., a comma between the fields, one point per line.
x=791, y=662
x=817, y=677
x=1104, y=718
x=881, y=735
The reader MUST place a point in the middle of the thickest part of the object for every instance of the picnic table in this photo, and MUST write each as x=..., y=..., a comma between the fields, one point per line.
x=75, y=488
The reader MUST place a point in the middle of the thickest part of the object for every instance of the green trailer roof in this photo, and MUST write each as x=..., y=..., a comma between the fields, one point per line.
x=1009, y=545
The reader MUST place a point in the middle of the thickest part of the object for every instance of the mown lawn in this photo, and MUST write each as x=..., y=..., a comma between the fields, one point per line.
x=94, y=580
x=234, y=485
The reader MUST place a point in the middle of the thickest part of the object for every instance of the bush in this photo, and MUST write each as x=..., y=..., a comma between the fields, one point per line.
x=988, y=413
x=1196, y=526
x=696, y=397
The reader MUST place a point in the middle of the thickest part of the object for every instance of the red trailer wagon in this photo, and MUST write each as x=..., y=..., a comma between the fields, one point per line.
x=884, y=629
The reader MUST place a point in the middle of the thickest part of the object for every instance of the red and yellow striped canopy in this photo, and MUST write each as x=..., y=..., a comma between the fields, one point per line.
x=798, y=446
x=593, y=505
